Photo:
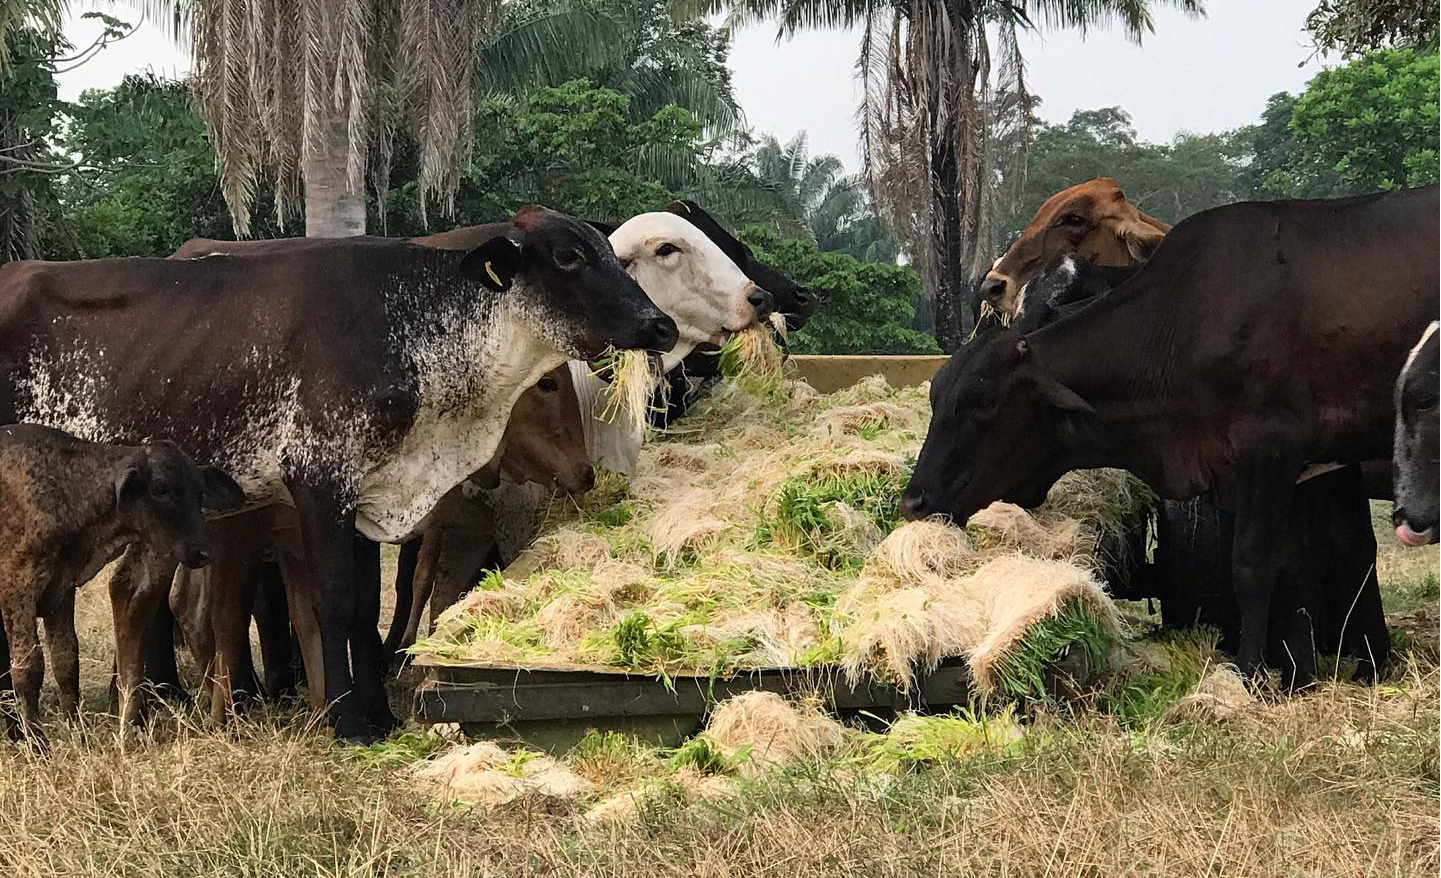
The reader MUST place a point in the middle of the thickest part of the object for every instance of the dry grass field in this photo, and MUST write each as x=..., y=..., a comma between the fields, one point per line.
x=1342, y=781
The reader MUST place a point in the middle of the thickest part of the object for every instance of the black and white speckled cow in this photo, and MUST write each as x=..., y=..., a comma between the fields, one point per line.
x=357, y=379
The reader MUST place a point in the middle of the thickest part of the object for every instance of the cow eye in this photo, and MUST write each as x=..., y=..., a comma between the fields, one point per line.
x=666, y=249
x=1071, y=219
x=570, y=260
x=547, y=384
x=160, y=490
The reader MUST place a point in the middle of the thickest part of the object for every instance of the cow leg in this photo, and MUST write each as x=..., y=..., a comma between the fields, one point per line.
x=327, y=526
x=426, y=568
x=367, y=652
x=300, y=599
x=161, y=669
x=272, y=625
x=395, y=638
x=1264, y=502
x=63, y=646
x=237, y=545
x=27, y=663
x=190, y=605
x=461, y=558
x=1352, y=586
x=139, y=583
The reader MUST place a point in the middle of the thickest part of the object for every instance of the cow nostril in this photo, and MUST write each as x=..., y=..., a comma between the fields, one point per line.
x=993, y=290
x=913, y=506
x=760, y=300
x=587, y=478
x=665, y=332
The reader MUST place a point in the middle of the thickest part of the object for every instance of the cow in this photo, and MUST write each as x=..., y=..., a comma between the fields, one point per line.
x=71, y=507
x=1092, y=220
x=358, y=380
x=1243, y=372
x=1414, y=450
x=1332, y=602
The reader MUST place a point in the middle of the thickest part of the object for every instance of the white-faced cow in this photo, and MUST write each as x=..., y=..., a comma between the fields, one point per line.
x=1092, y=220
x=1254, y=343
x=359, y=380
x=1415, y=453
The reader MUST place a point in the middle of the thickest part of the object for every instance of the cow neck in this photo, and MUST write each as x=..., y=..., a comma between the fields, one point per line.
x=1119, y=354
x=471, y=368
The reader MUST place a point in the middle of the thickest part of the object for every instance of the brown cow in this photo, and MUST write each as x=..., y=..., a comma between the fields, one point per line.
x=1092, y=219
x=71, y=507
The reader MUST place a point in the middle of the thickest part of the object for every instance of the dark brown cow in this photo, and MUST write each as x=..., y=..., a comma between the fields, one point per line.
x=70, y=508
x=1254, y=343
x=1092, y=220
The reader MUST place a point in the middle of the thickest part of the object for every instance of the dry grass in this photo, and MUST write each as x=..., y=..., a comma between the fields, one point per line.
x=1339, y=782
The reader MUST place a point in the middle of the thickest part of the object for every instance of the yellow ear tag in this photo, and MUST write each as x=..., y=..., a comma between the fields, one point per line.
x=493, y=276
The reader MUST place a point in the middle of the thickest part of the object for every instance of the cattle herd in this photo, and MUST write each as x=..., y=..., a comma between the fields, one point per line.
x=314, y=398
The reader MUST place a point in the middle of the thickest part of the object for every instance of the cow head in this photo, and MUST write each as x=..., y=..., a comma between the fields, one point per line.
x=544, y=440
x=791, y=300
x=998, y=422
x=689, y=278
x=162, y=492
x=568, y=286
x=1093, y=220
x=1415, y=460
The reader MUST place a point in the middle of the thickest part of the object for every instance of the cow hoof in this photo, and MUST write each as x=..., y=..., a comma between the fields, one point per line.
x=357, y=732
x=384, y=720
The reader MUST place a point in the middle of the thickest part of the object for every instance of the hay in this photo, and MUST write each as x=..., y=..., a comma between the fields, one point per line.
x=1220, y=696
x=752, y=359
x=761, y=532
x=773, y=731
x=633, y=377
x=484, y=774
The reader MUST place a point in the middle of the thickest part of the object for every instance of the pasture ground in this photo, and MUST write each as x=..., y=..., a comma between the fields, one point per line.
x=1341, y=781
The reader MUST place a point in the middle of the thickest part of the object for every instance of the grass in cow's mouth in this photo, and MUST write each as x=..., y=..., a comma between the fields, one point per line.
x=632, y=377
x=752, y=359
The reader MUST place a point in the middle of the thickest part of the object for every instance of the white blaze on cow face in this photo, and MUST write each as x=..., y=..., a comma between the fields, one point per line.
x=688, y=276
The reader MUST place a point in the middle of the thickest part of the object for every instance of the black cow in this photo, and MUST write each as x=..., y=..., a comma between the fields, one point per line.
x=1414, y=460
x=358, y=379
x=1332, y=599
x=1252, y=345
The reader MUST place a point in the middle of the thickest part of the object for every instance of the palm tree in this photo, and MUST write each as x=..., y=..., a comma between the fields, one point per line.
x=936, y=115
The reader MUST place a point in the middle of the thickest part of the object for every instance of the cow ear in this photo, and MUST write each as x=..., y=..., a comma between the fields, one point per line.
x=1141, y=239
x=130, y=484
x=678, y=207
x=1063, y=397
x=222, y=494
x=494, y=263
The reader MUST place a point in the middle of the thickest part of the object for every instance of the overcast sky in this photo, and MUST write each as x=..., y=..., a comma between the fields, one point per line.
x=1190, y=75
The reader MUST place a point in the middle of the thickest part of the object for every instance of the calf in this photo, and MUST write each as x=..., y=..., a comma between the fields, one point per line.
x=71, y=507
x=1414, y=455
x=1240, y=354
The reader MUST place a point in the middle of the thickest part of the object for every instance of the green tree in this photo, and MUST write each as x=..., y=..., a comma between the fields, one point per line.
x=867, y=307
x=1356, y=26
x=1170, y=181
x=1366, y=126
x=28, y=165
x=152, y=183
x=928, y=130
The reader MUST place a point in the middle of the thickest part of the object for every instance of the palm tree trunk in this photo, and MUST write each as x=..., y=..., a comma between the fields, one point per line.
x=332, y=210
x=953, y=317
